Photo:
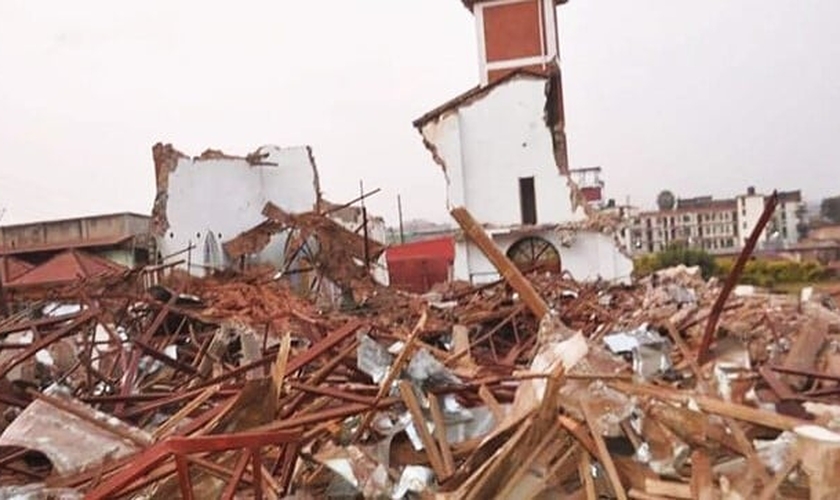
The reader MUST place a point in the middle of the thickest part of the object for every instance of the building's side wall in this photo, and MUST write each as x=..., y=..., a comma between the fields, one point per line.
x=788, y=220
x=444, y=135
x=96, y=228
x=225, y=196
x=499, y=139
x=72, y=232
x=749, y=211
x=138, y=225
x=587, y=256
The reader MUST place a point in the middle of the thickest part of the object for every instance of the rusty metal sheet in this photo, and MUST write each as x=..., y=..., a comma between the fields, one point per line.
x=71, y=443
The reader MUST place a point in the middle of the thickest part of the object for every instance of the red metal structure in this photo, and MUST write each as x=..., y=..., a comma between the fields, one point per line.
x=417, y=266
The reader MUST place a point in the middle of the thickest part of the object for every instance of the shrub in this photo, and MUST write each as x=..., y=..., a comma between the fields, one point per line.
x=674, y=256
x=767, y=273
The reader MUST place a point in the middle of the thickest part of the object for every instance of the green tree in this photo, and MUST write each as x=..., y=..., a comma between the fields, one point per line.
x=675, y=255
x=830, y=209
x=678, y=254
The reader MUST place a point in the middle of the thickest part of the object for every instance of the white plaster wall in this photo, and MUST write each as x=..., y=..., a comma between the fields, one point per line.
x=791, y=221
x=487, y=145
x=749, y=211
x=588, y=256
x=226, y=196
x=445, y=136
x=461, y=263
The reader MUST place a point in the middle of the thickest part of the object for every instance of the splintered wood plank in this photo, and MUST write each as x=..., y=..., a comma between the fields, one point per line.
x=781, y=390
x=738, y=433
x=410, y=400
x=440, y=434
x=580, y=433
x=278, y=374
x=236, y=475
x=702, y=487
x=585, y=472
x=769, y=490
x=820, y=449
x=507, y=269
x=641, y=495
x=713, y=405
x=603, y=453
x=396, y=368
x=668, y=489
x=193, y=405
x=803, y=353
x=490, y=400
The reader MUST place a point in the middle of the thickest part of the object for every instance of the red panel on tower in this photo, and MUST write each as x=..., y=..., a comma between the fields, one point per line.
x=512, y=31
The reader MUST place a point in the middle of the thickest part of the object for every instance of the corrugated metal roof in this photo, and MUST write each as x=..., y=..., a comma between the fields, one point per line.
x=88, y=243
x=442, y=248
x=12, y=268
x=65, y=267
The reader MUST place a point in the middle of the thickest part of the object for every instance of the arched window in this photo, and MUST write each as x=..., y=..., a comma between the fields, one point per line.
x=534, y=253
x=212, y=252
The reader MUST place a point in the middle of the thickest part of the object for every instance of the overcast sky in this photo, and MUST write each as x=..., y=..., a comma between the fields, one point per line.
x=699, y=97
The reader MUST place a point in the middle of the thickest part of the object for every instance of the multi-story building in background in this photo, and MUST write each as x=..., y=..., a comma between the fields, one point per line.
x=717, y=226
x=588, y=181
x=783, y=228
x=47, y=254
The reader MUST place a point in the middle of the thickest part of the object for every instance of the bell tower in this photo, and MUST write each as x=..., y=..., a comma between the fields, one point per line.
x=515, y=34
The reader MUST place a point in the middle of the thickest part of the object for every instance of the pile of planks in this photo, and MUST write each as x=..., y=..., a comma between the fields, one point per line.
x=532, y=387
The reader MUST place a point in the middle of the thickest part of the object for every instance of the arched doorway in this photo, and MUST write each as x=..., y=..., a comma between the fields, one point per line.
x=534, y=253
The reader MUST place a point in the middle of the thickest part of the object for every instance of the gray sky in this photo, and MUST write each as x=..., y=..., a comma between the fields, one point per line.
x=699, y=97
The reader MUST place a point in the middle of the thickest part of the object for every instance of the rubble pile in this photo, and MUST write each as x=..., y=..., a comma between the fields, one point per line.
x=235, y=387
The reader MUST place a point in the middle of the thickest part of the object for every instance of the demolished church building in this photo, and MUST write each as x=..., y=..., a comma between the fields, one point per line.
x=502, y=148
x=218, y=211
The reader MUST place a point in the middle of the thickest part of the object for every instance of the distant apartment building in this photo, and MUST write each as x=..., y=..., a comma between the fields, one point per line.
x=717, y=226
x=783, y=228
x=588, y=181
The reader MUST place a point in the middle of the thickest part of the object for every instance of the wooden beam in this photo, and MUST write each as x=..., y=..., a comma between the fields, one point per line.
x=585, y=473
x=803, y=353
x=603, y=453
x=432, y=451
x=702, y=487
x=668, y=489
x=507, y=269
x=440, y=434
x=713, y=405
x=820, y=449
x=769, y=490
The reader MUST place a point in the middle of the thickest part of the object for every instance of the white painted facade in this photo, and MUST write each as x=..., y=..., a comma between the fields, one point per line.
x=750, y=207
x=787, y=220
x=212, y=200
x=488, y=144
x=485, y=146
x=587, y=256
x=782, y=229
